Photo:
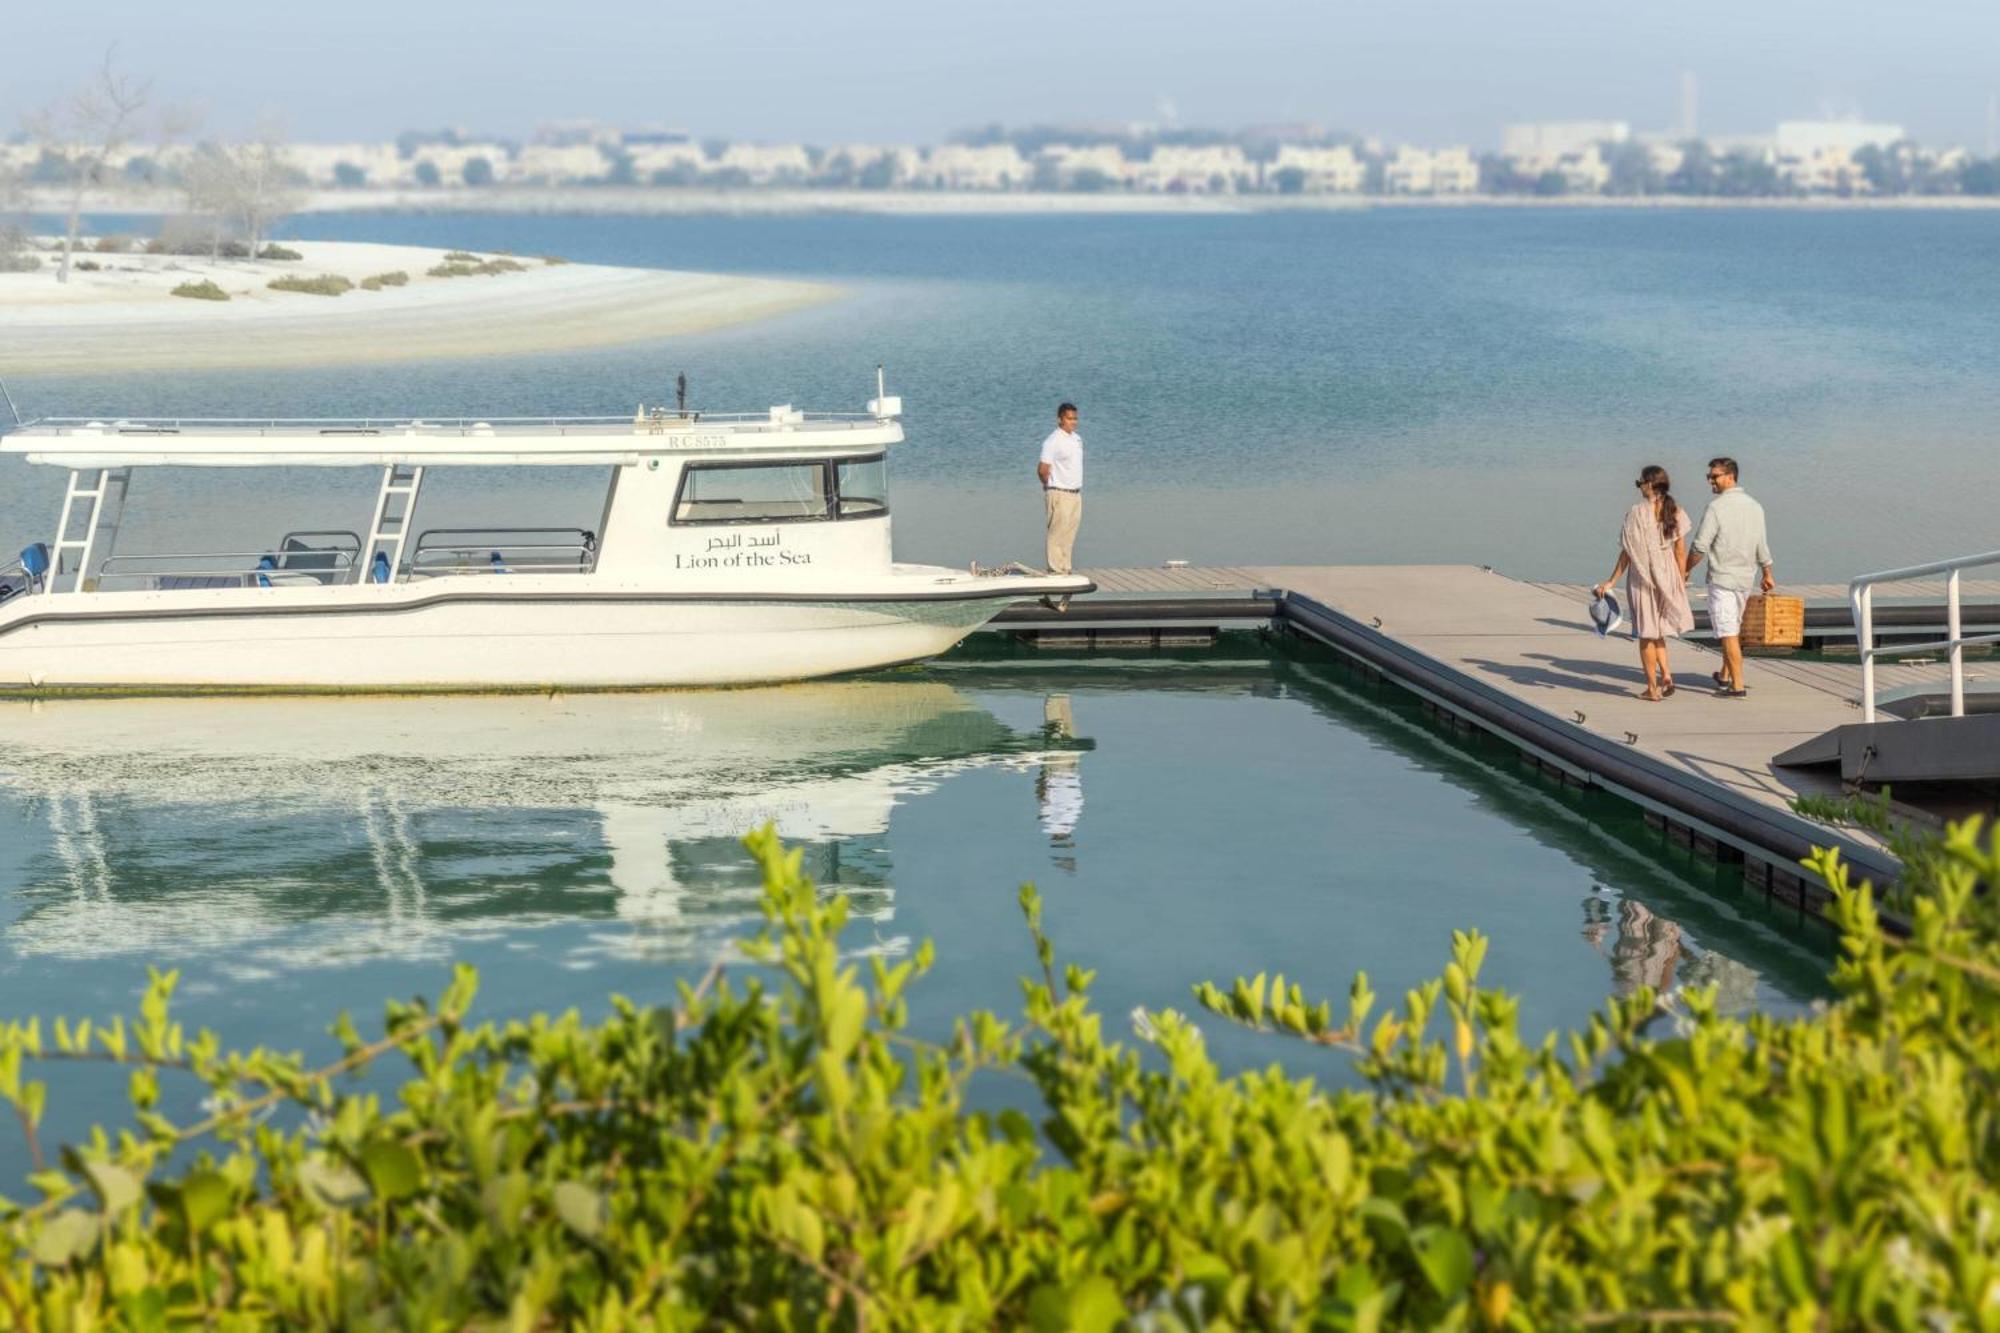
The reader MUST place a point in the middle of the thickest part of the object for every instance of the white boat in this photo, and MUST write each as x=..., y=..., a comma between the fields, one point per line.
x=732, y=550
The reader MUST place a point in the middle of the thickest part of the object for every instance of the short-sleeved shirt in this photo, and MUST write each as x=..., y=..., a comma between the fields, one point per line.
x=1731, y=537
x=1063, y=452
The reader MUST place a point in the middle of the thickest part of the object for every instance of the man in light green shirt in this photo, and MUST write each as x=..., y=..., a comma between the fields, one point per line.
x=1731, y=537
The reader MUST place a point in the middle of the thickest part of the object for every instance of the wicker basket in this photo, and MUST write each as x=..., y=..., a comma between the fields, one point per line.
x=1771, y=621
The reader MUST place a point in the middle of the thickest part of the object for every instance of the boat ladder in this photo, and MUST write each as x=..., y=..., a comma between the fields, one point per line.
x=390, y=532
x=86, y=534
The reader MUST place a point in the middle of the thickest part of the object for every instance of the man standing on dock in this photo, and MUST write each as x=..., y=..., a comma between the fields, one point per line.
x=1061, y=471
x=1731, y=536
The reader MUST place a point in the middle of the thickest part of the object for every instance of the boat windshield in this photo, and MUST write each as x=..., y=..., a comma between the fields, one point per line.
x=782, y=492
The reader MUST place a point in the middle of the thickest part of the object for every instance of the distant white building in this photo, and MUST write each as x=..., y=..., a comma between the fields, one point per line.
x=957, y=166
x=1553, y=139
x=1825, y=169
x=896, y=164
x=1813, y=138
x=651, y=160
x=1408, y=172
x=450, y=160
x=1665, y=158
x=1071, y=162
x=559, y=164
x=1585, y=172
x=1454, y=171
x=1185, y=169
x=1326, y=170
x=766, y=164
x=375, y=163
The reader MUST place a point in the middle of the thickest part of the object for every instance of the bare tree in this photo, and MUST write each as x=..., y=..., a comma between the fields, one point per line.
x=13, y=231
x=251, y=184
x=83, y=131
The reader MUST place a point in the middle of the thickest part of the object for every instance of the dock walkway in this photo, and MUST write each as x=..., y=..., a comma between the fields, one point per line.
x=1518, y=659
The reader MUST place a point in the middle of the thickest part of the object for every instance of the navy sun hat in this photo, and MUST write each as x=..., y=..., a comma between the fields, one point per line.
x=1605, y=615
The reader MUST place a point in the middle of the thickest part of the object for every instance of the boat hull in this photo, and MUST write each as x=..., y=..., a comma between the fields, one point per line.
x=473, y=642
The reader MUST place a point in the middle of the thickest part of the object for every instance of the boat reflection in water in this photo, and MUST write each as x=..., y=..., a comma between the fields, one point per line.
x=273, y=834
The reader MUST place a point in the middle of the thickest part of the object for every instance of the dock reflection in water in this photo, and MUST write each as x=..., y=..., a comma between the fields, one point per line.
x=297, y=857
x=294, y=833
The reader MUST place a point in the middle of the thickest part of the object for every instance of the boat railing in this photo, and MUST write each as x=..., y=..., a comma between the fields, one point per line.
x=1861, y=600
x=296, y=562
x=348, y=427
x=503, y=551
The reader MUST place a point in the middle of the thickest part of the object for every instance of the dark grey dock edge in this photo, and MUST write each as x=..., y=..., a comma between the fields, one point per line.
x=1697, y=814
x=1707, y=818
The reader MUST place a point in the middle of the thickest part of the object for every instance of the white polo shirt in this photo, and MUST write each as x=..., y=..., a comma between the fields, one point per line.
x=1063, y=452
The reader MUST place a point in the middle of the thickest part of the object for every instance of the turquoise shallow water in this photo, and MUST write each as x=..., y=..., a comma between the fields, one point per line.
x=1401, y=385
x=1250, y=809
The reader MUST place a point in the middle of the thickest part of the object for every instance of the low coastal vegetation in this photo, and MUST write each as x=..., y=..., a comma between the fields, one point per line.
x=380, y=280
x=456, y=265
x=201, y=291
x=326, y=284
x=276, y=251
x=775, y=1148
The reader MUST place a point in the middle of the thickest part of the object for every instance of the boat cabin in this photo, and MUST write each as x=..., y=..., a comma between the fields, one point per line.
x=691, y=499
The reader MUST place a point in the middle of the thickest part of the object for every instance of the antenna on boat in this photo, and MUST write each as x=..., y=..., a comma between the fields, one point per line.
x=881, y=384
x=681, y=394
x=13, y=410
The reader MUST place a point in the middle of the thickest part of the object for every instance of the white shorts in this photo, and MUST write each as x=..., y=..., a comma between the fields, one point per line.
x=1725, y=611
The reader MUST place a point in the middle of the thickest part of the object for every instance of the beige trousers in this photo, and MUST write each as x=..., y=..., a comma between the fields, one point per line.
x=1065, y=513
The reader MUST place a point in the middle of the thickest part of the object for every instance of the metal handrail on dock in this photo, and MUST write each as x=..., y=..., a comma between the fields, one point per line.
x=1861, y=599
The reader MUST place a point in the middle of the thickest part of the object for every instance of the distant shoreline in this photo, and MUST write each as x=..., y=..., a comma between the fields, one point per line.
x=121, y=315
x=698, y=200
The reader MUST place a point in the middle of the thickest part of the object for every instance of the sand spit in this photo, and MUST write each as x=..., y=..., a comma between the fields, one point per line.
x=124, y=317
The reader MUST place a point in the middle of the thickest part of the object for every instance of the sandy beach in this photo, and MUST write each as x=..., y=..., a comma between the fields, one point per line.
x=124, y=316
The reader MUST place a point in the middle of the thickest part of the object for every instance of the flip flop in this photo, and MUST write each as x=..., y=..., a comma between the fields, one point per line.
x=1732, y=694
x=1667, y=689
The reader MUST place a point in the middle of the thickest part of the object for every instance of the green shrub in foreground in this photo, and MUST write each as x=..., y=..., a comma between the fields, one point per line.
x=380, y=280
x=326, y=284
x=777, y=1152
x=201, y=291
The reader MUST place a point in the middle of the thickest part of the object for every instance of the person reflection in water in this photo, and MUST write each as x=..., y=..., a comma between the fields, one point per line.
x=1647, y=952
x=1059, y=785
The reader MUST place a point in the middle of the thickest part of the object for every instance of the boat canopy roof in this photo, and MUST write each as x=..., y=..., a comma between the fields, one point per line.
x=75, y=442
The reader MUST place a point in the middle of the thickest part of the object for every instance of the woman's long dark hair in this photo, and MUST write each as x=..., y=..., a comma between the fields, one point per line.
x=1654, y=482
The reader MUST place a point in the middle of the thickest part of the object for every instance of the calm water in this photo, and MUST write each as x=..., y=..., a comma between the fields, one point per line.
x=1392, y=385
x=1386, y=385
x=1186, y=820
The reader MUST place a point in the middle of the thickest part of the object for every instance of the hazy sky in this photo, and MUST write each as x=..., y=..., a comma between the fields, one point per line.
x=1427, y=70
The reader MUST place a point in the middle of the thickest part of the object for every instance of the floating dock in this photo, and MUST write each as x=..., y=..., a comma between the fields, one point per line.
x=1519, y=660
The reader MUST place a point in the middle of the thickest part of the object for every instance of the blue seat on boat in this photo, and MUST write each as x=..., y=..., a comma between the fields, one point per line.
x=378, y=568
x=323, y=563
x=499, y=565
x=264, y=563
x=35, y=560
